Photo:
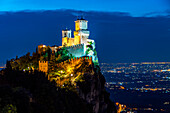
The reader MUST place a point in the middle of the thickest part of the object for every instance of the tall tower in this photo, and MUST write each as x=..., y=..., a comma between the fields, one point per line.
x=66, y=34
x=81, y=32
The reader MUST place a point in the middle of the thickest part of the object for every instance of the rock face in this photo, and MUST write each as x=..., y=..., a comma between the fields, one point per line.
x=92, y=90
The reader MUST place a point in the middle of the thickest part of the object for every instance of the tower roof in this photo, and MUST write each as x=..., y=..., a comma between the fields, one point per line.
x=80, y=18
x=66, y=29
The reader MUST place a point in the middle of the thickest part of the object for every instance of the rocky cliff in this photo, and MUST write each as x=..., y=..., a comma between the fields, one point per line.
x=93, y=91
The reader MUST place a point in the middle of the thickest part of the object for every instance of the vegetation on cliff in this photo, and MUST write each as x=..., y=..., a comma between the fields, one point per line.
x=63, y=74
x=32, y=92
x=72, y=85
x=30, y=62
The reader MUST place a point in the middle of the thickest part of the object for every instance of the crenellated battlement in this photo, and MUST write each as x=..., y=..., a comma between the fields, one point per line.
x=43, y=65
x=43, y=61
x=78, y=45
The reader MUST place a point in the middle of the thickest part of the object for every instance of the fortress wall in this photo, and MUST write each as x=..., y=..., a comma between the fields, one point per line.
x=43, y=65
x=77, y=50
x=77, y=60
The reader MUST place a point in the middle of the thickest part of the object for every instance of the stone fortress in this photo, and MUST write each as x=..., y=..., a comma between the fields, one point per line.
x=77, y=45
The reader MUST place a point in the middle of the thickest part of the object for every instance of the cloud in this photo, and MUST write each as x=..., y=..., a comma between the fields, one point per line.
x=158, y=14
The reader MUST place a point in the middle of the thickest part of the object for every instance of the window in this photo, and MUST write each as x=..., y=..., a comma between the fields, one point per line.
x=65, y=34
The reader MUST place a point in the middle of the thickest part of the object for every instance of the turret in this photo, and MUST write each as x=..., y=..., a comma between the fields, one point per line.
x=66, y=33
x=81, y=24
x=81, y=32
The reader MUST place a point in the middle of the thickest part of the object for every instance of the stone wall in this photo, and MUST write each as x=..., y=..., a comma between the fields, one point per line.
x=77, y=50
x=77, y=60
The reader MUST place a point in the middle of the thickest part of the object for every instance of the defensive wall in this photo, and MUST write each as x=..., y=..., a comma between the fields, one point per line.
x=76, y=60
x=43, y=65
x=77, y=50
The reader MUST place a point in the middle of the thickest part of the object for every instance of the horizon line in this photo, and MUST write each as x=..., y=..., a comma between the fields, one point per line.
x=80, y=11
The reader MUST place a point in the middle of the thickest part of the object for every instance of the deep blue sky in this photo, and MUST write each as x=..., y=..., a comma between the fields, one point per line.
x=134, y=7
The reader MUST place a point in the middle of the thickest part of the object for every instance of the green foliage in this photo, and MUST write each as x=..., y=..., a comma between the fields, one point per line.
x=62, y=55
x=96, y=64
x=90, y=42
x=53, y=68
x=95, y=52
x=45, y=55
x=88, y=51
x=9, y=109
x=26, y=62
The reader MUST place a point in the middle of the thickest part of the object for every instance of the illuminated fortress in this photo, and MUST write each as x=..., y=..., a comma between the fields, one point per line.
x=79, y=46
x=81, y=34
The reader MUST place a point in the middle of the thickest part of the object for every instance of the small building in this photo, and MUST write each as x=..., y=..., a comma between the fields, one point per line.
x=41, y=48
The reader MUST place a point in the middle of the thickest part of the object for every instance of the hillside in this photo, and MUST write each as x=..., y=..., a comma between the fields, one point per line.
x=31, y=92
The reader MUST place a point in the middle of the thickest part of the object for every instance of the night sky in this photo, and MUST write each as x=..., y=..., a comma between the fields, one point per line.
x=124, y=30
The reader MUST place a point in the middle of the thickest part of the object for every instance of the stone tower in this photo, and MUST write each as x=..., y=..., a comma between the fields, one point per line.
x=66, y=38
x=81, y=32
x=66, y=33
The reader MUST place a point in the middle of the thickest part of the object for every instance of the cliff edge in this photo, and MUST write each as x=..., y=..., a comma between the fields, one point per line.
x=93, y=91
